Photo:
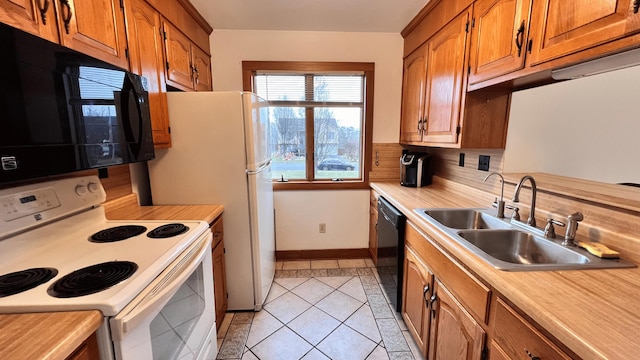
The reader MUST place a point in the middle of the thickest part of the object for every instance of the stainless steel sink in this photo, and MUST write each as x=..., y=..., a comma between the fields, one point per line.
x=518, y=247
x=509, y=247
x=464, y=218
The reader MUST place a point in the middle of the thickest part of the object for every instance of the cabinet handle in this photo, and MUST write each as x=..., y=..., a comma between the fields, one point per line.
x=636, y=6
x=66, y=14
x=424, y=295
x=419, y=126
x=530, y=355
x=424, y=125
x=433, y=304
x=217, y=234
x=520, y=38
x=196, y=74
x=43, y=11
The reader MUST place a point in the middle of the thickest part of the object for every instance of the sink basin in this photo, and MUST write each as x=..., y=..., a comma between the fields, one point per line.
x=518, y=247
x=511, y=247
x=461, y=219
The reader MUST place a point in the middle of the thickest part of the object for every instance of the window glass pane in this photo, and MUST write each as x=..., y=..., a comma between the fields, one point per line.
x=338, y=143
x=288, y=142
x=280, y=87
x=341, y=88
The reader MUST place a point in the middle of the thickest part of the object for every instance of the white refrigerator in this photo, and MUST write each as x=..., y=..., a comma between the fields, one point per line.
x=220, y=155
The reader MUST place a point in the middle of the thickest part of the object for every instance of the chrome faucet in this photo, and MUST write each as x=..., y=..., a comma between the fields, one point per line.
x=534, y=190
x=572, y=228
x=499, y=203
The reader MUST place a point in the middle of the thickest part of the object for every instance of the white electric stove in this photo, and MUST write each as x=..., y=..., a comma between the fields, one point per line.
x=151, y=280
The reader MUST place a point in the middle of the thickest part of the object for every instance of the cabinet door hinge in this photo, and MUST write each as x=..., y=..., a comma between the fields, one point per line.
x=458, y=130
x=164, y=34
x=473, y=22
x=169, y=129
x=126, y=53
x=466, y=27
x=167, y=65
x=469, y=70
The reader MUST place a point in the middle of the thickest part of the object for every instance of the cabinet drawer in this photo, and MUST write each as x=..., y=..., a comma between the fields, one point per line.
x=473, y=294
x=218, y=232
x=516, y=336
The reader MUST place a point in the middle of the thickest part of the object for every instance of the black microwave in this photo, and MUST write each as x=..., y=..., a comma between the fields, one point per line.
x=63, y=111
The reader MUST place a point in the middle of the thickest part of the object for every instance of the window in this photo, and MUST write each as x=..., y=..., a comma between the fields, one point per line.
x=321, y=121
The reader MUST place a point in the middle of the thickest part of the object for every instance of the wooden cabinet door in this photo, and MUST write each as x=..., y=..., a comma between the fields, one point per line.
x=562, y=27
x=373, y=233
x=95, y=28
x=178, y=58
x=417, y=287
x=446, y=73
x=413, y=93
x=146, y=58
x=455, y=335
x=202, y=69
x=35, y=17
x=219, y=282
x=219, y=272
x=498, y=38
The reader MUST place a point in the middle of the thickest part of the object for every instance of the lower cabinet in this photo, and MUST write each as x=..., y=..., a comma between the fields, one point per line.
x=516, y=338
x=418, y=287
x=219, y=273
x=452, y=315
x=373, y=226
x=454, y=332
x=87, y=350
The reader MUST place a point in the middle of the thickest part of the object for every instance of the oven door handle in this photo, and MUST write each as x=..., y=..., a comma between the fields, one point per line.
x=161, y=290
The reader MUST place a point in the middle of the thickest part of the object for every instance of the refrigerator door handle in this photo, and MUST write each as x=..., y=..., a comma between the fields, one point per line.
x=260, y=168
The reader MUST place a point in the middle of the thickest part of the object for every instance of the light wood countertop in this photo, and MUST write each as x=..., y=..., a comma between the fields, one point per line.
x=592, y=312
x=127, y=208
x=45, y=335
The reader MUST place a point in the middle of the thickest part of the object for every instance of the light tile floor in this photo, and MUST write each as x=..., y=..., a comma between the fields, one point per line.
x=319, y=309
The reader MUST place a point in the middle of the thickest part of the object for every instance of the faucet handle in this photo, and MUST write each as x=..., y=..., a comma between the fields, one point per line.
x=516, y=214
x=549, y=230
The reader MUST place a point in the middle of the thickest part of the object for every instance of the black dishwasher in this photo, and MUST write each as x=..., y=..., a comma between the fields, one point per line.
x=390, y=251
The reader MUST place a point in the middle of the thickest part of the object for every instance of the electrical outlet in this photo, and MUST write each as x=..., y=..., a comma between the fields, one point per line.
x=322, y=228
x=461, y=161
x=483, y=162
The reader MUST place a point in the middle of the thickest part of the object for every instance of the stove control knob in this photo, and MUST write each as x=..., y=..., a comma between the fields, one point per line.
x=81, y=190
x=93, y=187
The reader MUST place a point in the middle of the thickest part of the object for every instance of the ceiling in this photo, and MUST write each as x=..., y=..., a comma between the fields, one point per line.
x=310, y=15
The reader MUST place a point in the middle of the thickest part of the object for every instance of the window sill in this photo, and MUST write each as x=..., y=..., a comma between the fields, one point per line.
x=319, y=185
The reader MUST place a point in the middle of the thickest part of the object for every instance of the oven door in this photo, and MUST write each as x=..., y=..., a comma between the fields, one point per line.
x=174, y=317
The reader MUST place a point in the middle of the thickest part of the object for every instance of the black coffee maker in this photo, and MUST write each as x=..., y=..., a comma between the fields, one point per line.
x=415, y=169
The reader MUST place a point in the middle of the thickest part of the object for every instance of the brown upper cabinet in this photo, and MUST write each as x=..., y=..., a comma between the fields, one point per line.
x=144, y=29
x=561, y=27
x=519, y=42
x=93, y=27
x=188, y=67
x=436, y=109
x=499, y=38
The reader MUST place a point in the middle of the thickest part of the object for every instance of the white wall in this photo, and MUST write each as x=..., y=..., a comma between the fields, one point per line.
x=586, y=128
x=344, y=212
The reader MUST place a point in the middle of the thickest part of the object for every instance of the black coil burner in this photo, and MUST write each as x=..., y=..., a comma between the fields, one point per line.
x=117, y=233
x=92, y=279
x=168, y=230
x=19, y=281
